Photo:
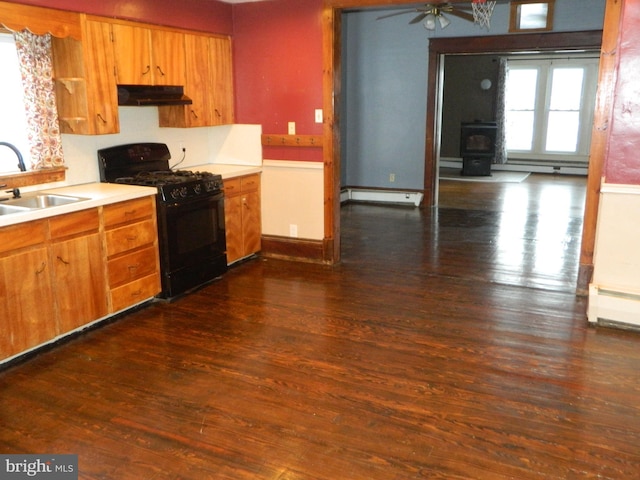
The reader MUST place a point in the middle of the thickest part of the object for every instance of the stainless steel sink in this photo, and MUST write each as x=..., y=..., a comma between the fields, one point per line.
x=43, y=200
x=10, y=209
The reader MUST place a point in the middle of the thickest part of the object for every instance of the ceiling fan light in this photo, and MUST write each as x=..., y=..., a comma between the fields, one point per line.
x=444, y=21
x=430, y=22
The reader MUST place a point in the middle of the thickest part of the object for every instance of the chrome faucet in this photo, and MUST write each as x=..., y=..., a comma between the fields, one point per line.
x=21, y=164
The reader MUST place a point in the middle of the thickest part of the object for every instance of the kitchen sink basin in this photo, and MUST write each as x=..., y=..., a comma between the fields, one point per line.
x=43, y=200
x=9, y=209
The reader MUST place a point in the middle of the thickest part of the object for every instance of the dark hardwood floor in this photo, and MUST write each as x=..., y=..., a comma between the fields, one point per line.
x=448, y=344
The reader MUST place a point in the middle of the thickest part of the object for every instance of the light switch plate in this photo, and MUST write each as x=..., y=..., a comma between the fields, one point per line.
x=292, y=128
x=318, y=115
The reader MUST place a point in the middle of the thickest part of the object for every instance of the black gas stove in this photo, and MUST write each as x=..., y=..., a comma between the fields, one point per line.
x=190, y=208
x=147, y=164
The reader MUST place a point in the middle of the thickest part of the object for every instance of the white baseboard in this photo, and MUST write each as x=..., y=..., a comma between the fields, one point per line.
x=451, y=162
x=381, y=196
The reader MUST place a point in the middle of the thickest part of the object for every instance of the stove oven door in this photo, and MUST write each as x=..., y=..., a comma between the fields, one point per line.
x=192, y=243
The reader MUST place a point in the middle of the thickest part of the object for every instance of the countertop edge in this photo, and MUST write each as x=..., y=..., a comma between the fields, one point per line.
x=96, y=194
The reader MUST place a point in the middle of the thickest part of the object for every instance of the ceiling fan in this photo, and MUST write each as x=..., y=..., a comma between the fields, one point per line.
x=432, y=12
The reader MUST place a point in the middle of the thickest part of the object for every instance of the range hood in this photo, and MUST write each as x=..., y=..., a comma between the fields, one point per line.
x=147, y=95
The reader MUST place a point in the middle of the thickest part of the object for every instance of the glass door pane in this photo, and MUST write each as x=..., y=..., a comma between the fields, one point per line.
x=520, y=103
x=563, y=120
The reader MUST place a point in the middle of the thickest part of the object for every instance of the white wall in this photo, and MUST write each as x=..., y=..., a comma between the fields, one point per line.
x=293, y=199
x=236, y=144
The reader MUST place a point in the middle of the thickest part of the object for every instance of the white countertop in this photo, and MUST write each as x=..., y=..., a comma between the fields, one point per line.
x=96, y=194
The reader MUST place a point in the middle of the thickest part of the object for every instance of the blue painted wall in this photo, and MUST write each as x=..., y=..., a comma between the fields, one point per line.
x=384, y=67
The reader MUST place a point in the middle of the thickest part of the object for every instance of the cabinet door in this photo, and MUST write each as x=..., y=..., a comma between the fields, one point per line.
x=167, y=53
x=197, y=86
x=80, y=281
x=251, y=223
x=84, y=72
x=102, y=94
x=132, y=50
x=26, y=302
x=233, y=227
x=221, y=81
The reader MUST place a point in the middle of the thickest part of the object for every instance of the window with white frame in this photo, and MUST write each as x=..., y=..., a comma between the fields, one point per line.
x=13, y=123
x=549, y=107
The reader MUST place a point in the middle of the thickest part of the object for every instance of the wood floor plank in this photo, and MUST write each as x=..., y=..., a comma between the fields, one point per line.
x=448, y=344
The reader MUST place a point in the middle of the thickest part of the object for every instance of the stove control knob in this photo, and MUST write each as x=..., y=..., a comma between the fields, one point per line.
x=197, y=189
x=179, y=192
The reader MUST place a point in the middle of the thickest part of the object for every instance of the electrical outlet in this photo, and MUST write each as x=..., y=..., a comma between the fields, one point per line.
x=292, y=128
x=293, y=230
x=392, y=177
x=318, y=115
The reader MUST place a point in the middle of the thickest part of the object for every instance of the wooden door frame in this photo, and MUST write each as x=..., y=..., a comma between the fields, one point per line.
x=332, y=90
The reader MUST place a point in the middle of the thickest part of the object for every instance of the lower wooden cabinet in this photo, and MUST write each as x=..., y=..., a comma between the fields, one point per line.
x=242, y=216
x=26, y=301
x=131, y=241
x=78, y=269
x=64, y=272
x=52, y=279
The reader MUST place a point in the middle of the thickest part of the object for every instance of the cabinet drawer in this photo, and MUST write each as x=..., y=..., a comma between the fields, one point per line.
x=132, y=236
x=135, y=292
x=129, y=211
x=74, y=223
x=250, y=183
x=132, y=266
x=22, y=235
x=232, y=186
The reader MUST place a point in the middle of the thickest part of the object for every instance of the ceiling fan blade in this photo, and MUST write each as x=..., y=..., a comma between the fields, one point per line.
x=464, y=15
x=419, y=18
x=410, y=10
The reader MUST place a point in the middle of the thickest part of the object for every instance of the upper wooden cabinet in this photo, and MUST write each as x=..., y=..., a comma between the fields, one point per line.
x=208, y=82
x=84, y=75
x=197, y=86
x=147, y=56
x=113, y=52
x=222, y=80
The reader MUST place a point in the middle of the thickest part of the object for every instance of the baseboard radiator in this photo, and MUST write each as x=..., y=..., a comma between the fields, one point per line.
x=614, y=308
x=381, y=196
x=614, y=293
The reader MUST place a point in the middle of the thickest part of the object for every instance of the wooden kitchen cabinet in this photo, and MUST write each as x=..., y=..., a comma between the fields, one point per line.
x=197, y=86
x=208, y=82
x=61, y=273
x=221, y=80
x=242, y=216
x=84, y=76
x=148, y=56
x=27, y=309
x=132, y=252
x=79, y=273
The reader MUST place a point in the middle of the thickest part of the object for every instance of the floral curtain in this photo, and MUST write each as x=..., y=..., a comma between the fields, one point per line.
x=501, y=112
x=34, y=54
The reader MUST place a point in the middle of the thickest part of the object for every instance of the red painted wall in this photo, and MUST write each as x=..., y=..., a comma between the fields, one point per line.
x=622, y=165
x=278, y=70
x=203, y=15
